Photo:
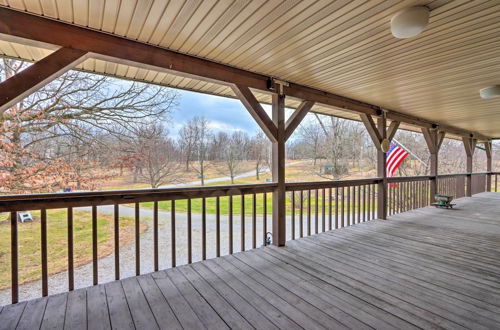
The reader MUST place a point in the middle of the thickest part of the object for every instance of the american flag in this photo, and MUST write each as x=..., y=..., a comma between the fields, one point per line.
x=395, y=157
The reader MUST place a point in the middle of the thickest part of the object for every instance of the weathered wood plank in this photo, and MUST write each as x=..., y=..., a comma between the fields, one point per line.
x=97, y=308
x=182, y=310
x=33, y=314
x=290, y=309
x=55, y=312
x=76, y=310
x=139, y=308
x=161, y=309
x=10, y=315
x=119, y=312
x=205, y=312
x=247, y=311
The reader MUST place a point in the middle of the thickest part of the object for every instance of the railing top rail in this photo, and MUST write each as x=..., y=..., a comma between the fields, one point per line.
x=395, y=179
x=291, y=186
x=78, y=199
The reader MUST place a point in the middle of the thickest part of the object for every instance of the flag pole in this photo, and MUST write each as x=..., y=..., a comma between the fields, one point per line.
x=410, y=152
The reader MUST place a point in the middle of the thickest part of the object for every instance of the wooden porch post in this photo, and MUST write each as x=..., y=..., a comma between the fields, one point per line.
x=434, y=139
x=278, y=131
x=470, y=146
x=488, y=148
x=378, y=134
x=278, y=171
x=382, y=171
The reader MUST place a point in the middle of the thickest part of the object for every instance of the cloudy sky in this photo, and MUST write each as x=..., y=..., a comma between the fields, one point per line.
x=224, y=114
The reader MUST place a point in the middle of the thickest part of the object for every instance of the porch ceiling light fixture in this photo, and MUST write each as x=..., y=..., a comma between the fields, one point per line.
x=490, y=92
x=409, y=22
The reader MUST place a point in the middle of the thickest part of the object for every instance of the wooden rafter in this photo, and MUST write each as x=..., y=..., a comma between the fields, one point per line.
x=256, y=111
x=488, y=149
x=118, y=49
x=297, y=117
x=470, y=145
x=391, y=131
x=430, y=139
x=372, y=130
x=37, y=75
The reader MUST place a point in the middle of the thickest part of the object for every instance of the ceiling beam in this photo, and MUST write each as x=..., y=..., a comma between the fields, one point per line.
x=296, y=118
x=40, y=73
x=118, y=49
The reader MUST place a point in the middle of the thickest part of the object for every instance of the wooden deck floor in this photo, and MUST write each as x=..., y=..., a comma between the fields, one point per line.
x=428, y=268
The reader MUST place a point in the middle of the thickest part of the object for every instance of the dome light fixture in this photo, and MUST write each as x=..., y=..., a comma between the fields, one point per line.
x=490, y=92
x=409, y=22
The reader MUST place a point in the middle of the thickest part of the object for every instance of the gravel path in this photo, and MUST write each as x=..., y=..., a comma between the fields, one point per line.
x=83, y=275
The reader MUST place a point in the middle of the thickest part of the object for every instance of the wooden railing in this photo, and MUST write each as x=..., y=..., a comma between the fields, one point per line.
x=452, y=185
x=407, y=193
x=320, y=206
x=92, y=200
x=236, y=219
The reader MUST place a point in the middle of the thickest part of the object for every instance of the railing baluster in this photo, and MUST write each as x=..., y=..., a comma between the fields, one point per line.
x=316, y=217
x=293, y=216
x=71, y=271
x=95, y=270
x=189, y=232
x=155, y=236
x=309, y=213
x=359, y=204
x=374, y=196
x=116, y=235
x=137, y=240
x=203, y=228
x=217, y=226
x=353, y=206
x=323, y=206
x=230, y=223
x=330, y=208
x=342, y=209
x=368, y=201
x=14, y=258
x=254, y=221
x=45, y=277
x=348, y=211
x=336, y=207
x=264, y=221
x=242, y=223
x=301, y=231
x=172, y=233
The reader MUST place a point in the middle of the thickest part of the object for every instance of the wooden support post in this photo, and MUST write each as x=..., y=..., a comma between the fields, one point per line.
x=382, y=171
x=470, y=146
x=278, y=171
x=488, y=149
x=37, y=75
x=379, y=133
x=434, y=139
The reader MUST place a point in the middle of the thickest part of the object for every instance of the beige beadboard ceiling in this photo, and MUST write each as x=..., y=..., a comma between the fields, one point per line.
x=344, y=47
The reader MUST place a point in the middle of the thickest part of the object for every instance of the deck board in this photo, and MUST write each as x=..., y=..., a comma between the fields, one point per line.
x=427, y=268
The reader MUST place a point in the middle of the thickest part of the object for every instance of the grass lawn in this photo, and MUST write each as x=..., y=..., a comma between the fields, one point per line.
x=30, y=250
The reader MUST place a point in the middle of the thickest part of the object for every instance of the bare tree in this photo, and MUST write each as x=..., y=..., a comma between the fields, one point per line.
x=234, y=152
x=201, y=133
x=76, y=105
x=260, y=151
x=157, y=155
